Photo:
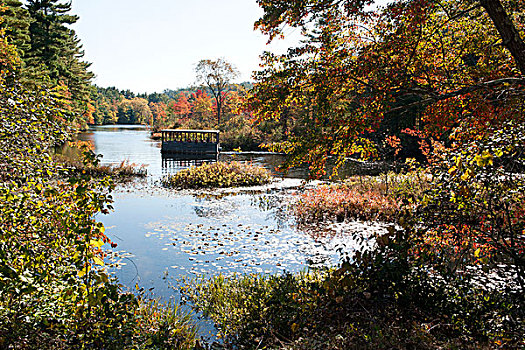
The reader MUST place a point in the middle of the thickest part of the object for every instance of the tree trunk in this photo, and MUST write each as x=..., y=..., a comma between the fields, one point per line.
x=507, y=30
x=219, y=114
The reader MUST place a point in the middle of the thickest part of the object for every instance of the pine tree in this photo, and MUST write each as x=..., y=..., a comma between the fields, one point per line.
x=49, y=35
x=55, y=55
x=16, y=22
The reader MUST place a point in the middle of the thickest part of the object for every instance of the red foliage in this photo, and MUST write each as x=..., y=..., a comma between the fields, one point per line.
x=340, y=202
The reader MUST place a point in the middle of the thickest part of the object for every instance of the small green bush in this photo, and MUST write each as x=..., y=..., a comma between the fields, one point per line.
x=220, y=174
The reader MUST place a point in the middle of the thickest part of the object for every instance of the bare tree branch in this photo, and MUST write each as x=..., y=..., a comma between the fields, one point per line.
x=463, y=91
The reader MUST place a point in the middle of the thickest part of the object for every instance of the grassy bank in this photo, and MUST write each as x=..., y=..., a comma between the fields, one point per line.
x=343, y=309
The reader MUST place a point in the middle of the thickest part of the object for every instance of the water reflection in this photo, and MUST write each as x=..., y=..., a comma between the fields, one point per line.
x=204, y=207
x=172, y=164
x=174, y=233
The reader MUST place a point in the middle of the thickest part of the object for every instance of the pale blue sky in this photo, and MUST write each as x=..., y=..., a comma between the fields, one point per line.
x=148, y=46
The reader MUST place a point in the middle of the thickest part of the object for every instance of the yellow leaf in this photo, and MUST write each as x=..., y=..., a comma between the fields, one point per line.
x=295, y=326
x=479, y=160
x=96, y=244
x=465, y=176
x=84, y=271
x=98, y=261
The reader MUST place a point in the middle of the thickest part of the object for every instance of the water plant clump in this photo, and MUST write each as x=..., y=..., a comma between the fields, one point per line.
x=78, y=157
x=122, y=171
x=340, y=202
x=219, y=175
x=376, y=198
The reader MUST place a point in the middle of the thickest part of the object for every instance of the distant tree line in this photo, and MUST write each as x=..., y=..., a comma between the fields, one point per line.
x=189, y=108
x=113, y=106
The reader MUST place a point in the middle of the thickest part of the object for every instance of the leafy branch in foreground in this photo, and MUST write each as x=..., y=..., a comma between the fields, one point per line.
x=55, y=292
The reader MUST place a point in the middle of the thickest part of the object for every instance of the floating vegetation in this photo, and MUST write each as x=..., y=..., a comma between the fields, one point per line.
x=254, y=241
x=219, y=174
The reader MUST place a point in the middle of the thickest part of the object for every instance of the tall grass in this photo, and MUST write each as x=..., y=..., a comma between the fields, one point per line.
x=122, y=171
x=164, y=326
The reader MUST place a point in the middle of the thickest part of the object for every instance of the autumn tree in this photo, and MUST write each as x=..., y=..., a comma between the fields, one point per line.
x=216, y=76
x=201, y=106
x=182, y=107
x=133, y=111
x=422, y=66
x=449, y=74
x=159, y=116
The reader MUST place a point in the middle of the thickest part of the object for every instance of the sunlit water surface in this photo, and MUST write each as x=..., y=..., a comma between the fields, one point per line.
x=164, y=234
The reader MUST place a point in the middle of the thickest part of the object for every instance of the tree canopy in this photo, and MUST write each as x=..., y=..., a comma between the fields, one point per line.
x=414, y=69
x=216, y=75
x=51, y=52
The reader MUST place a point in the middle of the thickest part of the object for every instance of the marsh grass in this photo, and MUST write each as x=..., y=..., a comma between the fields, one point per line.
x=377, y=198
x=218, y=175
x=164, y=326
x=122, y=171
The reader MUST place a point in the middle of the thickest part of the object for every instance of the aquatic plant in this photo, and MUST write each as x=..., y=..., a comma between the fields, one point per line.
x=362, y=197
x=122, y=171
x=219, y=174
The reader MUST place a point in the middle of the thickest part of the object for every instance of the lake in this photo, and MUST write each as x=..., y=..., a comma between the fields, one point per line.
x=165, y=234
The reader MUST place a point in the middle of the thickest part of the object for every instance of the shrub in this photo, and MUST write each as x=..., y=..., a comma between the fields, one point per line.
x=337, y=309
x=335, y=202
x=475, y=213
x=220, y=174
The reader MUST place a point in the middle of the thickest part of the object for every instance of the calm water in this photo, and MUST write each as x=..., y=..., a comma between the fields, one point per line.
x=164, y=234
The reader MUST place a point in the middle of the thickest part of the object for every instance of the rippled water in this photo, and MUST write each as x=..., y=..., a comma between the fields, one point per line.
x=163, y=234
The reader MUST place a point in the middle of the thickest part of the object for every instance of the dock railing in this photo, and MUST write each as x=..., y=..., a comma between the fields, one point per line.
x=190, y=142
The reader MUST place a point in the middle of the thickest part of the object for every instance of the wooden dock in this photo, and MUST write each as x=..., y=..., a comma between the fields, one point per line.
x=190, y=143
